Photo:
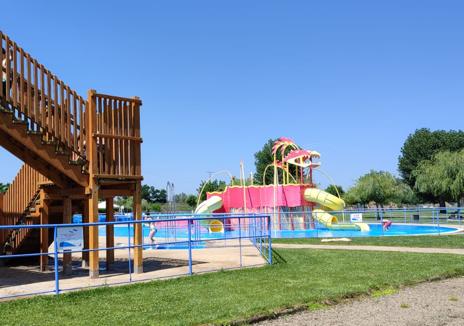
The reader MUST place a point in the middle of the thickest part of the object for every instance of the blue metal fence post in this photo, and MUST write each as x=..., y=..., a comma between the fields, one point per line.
x=189, y=229
x=240, y=239
x=438, y=221
x=55, y=255
x=269, y=240
x=381, y=221
x=129, y=251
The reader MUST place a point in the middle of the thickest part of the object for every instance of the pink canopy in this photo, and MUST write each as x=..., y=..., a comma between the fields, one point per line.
x=262, y=196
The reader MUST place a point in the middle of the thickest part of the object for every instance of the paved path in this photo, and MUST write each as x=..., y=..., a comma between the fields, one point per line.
x=371, y=248
x=427, y=304
x=158, y=264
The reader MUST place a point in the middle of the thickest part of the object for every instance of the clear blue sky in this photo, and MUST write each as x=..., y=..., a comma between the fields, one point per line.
x=350, y=79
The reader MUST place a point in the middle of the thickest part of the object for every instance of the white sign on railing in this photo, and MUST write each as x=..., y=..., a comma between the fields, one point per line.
x=70, y=238
x=356, y=217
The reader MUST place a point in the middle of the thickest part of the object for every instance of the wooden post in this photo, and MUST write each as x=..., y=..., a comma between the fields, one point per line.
x=67, y=216
x=138, y=258
x=92, y=189
x=109, y=232
x=44, y=241
x=85, y=219
x=93, y=233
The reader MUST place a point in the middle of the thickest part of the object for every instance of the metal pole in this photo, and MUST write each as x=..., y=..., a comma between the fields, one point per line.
x=269, y=239
x=381, y=221
x=260, y=235
x=438, y=221
x=240, y=240
x=129, y=251
x=189, y=247
x=55, y=248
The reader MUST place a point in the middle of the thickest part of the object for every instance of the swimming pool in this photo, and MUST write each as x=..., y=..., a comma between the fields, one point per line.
x=375, y=231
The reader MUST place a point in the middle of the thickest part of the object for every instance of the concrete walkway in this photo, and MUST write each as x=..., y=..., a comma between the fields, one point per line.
x=158, y=264
x=371, y=248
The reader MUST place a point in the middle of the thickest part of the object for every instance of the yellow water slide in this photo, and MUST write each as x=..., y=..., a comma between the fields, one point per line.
x=330, y=202
x=208, y=206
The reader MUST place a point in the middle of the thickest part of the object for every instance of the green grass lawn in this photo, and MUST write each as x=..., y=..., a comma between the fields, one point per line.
x=307, y=278
x=428, y=241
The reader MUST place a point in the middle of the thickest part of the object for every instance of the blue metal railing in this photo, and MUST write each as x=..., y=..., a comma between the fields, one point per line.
x=184, y=235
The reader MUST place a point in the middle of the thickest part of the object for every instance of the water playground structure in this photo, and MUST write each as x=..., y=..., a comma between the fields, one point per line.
x=292, y=199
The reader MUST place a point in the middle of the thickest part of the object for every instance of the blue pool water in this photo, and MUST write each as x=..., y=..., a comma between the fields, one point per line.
x=375, y=231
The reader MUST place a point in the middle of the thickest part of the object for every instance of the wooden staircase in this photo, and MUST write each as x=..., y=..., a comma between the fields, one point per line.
x=19, y=202
x=75, y=152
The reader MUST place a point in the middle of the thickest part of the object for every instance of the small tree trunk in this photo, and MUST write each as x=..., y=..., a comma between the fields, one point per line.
x=442, y=203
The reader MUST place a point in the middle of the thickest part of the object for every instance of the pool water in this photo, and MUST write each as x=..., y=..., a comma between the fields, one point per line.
x=375, y=231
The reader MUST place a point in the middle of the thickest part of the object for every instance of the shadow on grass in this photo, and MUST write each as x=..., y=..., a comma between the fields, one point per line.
x=277, y=258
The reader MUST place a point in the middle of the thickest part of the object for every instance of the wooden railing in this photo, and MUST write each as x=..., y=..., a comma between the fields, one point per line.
x=18, y=199
x=104, y=131
x=40, y=98
x=114, y=125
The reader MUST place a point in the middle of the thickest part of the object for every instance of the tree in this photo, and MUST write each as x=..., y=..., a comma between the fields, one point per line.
x=192, y=201
x=263, y=158
x=211, y=186
x=422, y=145
x=181, y=198
x=335, y=190
x=146, y=193
x=405, y=194
x=126, y=202
x=154, y=195
x=4, y=187
x=442, y=176
x=159, y=195
x=380, y=187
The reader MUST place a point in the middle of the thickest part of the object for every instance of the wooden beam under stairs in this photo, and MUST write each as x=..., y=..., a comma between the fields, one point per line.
x=28, y=147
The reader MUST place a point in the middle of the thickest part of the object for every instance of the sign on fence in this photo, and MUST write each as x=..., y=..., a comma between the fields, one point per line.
x=70, y=238
x=356, y=217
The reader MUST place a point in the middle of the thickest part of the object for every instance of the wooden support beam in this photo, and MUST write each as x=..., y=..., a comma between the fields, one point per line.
x=93, y=234
x=109, y=232
x=44, y=241
x=33, y=144
x=78, y=193
x=27, y=156
x=93, y=189
x=138, y=240
x=67, y=216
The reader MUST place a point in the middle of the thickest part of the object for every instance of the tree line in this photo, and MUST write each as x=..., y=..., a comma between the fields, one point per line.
x=431, y=170
x=431, y=167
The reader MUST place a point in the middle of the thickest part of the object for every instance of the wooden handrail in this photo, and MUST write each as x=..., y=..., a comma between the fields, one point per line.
x=104, y=131
x=18, y=199
x=40, y=98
